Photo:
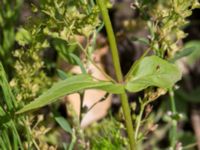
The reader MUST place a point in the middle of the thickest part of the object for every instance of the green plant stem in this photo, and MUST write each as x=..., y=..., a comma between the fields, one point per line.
x=173, y=137
x=111, y=39
x=116, y=62
x=139, y=118
x=128, y=120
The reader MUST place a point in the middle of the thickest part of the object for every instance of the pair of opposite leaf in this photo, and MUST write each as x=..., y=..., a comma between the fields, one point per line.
x=149, y=71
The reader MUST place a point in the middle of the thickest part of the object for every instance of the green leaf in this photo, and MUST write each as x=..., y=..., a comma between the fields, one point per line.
x=62, y=122
x=191, y=59
x=71, y=85
x=78, y=61
x=153, y=71
x=61, y=74
x=192, y=96
x=141, y=40
x=183, y=53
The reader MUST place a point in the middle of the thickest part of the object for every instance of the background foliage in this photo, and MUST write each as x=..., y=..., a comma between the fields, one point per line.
x=40, y=41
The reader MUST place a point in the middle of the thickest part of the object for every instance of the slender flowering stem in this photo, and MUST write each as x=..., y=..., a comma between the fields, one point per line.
x=116, y=63
x=111, y=39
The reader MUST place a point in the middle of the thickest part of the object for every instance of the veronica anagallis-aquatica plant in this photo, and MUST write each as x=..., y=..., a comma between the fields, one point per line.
x=146, y=72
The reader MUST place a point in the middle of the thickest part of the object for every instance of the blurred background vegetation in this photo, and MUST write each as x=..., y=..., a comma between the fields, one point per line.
x=35, y=51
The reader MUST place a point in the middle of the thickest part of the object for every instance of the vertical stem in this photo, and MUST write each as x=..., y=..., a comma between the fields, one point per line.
x=116, y=62
x=111, y=39
x=128, y=120
x=173, y=137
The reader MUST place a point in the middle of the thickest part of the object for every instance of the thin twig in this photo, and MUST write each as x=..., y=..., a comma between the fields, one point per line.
x=101, y=70
x=118, y=72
